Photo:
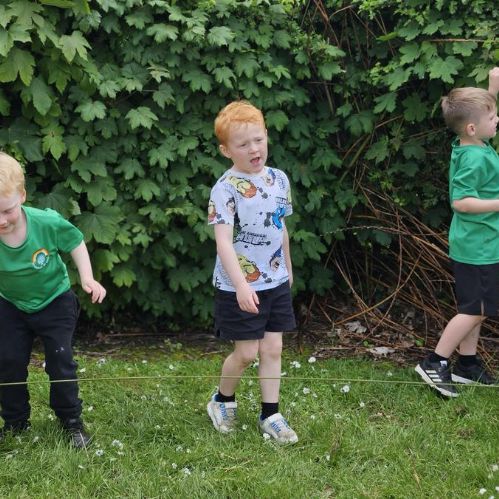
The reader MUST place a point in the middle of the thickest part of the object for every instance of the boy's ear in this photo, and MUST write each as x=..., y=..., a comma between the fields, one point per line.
x=470, y=129
x=224, y=150
x=23, y=196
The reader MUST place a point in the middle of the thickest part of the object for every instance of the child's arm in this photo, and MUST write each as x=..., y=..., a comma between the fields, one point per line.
x=494, y=81
x=475, y=205
x=246, y=296
x=88, y=283
x=287, y=255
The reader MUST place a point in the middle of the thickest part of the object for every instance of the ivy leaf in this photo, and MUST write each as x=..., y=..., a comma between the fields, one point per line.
x=326, y=70
x=246, y=64
x=139, y=18
x=41, y=95
x=464, y=48
x=162, y=32
x=90, y=110
x=220, y=35
x=397, y=78
x=76, y=43
x=88, y=166
x=444, y=68
x=146, y=189
x=225, y=76
x=53, y=141
x=187, y=144
x=410, y=53
x=197, y=80
x=18, y=62
x=386, y=102
x=130, y=168
x=123, y=276
x=360, y=123
x=379, y=151
x=276, y=119
x=163, y=95
x=101, y=225
x=100, y=189
x=282, y=38
x=415, y=108
x=142, y=116
x=103, y=260
x=109, y=88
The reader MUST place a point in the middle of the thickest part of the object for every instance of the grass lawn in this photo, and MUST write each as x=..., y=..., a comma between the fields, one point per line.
x=153, y=438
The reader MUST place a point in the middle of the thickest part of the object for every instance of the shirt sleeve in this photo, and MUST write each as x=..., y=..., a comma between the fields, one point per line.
x=467, y=178
x=222, y=204
x=68, y=236
x=287, y=188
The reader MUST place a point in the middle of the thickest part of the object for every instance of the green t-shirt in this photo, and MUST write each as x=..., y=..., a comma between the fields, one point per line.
x=474, y=172
x=33, y=274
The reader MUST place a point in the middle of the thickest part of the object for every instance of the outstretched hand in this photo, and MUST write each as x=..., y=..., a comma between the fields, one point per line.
x=96, y=291
x=494, y=81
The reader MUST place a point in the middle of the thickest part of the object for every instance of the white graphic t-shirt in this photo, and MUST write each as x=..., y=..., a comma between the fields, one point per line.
x=255, y=205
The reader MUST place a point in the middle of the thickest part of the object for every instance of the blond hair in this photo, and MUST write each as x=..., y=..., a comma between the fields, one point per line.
x=11, y=176
x=236, y=113
x=465, y=105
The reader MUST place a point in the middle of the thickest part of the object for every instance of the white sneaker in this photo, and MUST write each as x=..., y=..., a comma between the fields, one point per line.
x=278, y=428
x=222, y=414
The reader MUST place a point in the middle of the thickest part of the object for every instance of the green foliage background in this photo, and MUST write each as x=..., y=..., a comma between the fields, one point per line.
x=111, y=111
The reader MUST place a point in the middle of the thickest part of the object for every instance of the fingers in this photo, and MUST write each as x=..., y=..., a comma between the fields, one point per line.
x=96, y=291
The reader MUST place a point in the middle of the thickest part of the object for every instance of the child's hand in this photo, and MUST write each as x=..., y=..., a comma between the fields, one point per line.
x=494, y=81
x=95, y=289
x=247, y=298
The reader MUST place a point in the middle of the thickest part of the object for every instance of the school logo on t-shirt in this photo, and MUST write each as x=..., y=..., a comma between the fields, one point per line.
x=40, y=258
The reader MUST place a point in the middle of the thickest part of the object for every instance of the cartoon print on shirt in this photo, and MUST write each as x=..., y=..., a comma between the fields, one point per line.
x=250, y=270
x=246, y=188
x=276, y=259
x=275, y=218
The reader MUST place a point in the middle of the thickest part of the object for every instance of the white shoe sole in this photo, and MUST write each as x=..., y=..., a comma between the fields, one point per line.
x=464, y=381
x=218, y=427
x=430, y=382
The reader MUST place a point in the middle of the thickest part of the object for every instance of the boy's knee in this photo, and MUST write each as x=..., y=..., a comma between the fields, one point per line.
x=271, y=348
x=247, y=354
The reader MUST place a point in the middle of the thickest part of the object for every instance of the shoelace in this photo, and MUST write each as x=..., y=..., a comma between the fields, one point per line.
x=227, y=414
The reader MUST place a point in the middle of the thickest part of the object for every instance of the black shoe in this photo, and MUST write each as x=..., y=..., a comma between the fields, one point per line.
x=438, y=376
x=474, y=373
x=13, y=429
x=79, y=438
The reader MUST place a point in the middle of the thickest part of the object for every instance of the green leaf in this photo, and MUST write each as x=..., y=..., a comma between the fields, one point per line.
x=18, y=62
x=73, y=44
x=109, y=88
x=130, y=168
x=220, y=35
x=197, y=80
x=360, y=123
x=90, y=110
x=246, y=64
x=415, y=108
x=328, y=69
x=101, y=225
x=187, y=144
x=276, y=119
x=146, y=189
x=100, y=189
x=123, y=276
x=410, y=53
x=225, y=76
x=386, y=102
x=413, y=150
x=162, y=32
x=4, y=104
x=397, y=78
x=88, y=166
x=141, y=117
x=41, y=95
x=379, y=151
x=282, y=39
x=53, y=141
x=163, y=95
x=445, y=68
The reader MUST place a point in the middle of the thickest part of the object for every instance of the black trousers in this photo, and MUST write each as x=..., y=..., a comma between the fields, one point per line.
x=55, y=325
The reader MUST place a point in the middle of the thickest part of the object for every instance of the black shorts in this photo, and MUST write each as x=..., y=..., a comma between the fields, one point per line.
x=477, y=288
x=275, y=314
